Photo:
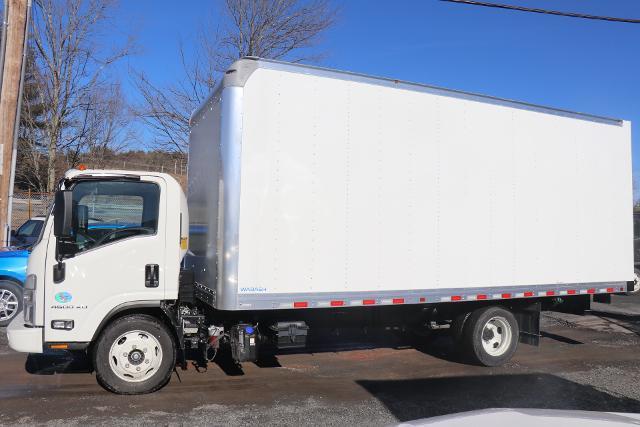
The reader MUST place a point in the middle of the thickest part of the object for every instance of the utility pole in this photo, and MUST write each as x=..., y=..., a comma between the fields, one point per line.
x=15, y=28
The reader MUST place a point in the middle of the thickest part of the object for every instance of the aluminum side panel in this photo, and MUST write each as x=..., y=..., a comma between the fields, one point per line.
x=214, y=191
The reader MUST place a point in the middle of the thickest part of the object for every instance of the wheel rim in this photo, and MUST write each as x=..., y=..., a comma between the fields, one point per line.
x=135, y=356
x=8, y=305
x=496, y=336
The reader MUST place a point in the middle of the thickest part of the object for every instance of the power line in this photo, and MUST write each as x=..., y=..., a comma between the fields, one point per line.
x=544, y=11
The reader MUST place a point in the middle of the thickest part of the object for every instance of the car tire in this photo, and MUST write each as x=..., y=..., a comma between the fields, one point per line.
x=491, y=336
x=10, y=301
x=135, y=354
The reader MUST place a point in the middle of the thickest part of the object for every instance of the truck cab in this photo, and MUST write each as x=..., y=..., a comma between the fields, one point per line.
x=77, y=279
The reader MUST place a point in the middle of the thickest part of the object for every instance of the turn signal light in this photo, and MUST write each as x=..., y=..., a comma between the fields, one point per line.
x=59, y=346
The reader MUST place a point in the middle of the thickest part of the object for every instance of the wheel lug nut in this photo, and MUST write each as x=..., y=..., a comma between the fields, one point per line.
x=138, y=368
x=146, y=361
x=126, y=366
x=144, y=350
x=125, y=354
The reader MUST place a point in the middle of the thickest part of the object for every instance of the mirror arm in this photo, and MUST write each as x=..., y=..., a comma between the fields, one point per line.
x=59, y=268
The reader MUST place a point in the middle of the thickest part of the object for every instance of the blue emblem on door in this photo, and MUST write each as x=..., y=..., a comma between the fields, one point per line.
x=63, y=297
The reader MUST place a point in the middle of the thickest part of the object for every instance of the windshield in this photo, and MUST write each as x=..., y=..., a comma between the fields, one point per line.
x=31, y=228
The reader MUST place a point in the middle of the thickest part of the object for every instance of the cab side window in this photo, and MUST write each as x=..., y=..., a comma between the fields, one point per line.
x=106, y=212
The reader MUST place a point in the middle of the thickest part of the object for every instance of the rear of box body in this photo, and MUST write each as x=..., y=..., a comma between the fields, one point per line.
x=317, y=186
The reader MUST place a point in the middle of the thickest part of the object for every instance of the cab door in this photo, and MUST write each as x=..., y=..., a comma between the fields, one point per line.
x=115, y=257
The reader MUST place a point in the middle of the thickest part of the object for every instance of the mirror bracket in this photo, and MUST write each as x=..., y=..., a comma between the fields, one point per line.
x=58, y=272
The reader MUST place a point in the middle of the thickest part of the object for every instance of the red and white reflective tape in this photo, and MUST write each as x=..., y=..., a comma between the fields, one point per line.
x=413, y=299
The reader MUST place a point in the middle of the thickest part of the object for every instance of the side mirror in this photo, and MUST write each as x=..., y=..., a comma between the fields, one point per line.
x=63, y=215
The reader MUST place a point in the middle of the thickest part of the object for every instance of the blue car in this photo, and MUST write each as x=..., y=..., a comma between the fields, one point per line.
x=13, y=270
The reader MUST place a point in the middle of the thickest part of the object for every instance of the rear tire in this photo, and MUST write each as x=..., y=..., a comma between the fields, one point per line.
x=10, y=301
x=134, y=355
x=491, y=336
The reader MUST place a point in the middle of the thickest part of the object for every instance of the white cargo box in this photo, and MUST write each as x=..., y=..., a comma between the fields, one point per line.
x=315, y=188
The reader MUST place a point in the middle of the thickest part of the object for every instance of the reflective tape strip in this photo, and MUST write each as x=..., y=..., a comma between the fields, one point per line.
x=412, y=299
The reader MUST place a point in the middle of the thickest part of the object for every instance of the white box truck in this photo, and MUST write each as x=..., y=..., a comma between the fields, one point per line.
x=324, y=199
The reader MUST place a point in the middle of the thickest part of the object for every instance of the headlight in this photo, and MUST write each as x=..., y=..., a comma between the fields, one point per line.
x=29, y=300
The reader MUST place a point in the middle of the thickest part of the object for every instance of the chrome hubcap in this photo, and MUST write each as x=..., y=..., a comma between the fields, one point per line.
x=135, y=356
x=8, y=305
x=496, y=336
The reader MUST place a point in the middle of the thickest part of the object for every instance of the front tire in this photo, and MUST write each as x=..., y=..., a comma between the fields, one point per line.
x=134, y=355
x=10, y=301
x=491, y=336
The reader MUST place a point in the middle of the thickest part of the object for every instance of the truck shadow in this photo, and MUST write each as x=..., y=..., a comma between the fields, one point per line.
x=421, y=398
x=441, y=345
x=627, y=321
x=59, y=362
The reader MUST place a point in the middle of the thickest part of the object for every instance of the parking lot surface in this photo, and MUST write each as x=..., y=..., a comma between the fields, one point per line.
x=584, y=362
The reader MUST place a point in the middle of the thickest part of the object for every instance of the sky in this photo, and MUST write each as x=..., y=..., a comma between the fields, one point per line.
x=575, y=64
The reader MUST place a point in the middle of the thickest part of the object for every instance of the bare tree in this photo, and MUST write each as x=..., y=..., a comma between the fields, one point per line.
x=275, y=29
x=73, y=68
x=102, y=129
x=31, y=161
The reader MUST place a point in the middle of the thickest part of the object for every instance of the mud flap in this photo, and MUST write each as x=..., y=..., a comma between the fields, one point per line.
x=528, y=318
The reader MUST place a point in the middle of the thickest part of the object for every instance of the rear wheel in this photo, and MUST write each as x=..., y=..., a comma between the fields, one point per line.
x=134, y=355
x=491, y=336
x=10, y=301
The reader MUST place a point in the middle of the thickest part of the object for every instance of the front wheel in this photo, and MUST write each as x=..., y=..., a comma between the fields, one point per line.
x=134, y=355
x=491, y=336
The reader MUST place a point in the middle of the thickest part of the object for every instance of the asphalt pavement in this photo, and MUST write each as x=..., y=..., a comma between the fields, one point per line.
x=584, y=363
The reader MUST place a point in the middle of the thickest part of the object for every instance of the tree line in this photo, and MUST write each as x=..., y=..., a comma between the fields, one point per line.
x=74, y=109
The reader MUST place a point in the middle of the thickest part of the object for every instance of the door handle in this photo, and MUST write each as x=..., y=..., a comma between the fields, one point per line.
x=151, y=275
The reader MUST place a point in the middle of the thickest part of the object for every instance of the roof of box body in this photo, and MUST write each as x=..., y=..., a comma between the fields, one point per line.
x=240, y=71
